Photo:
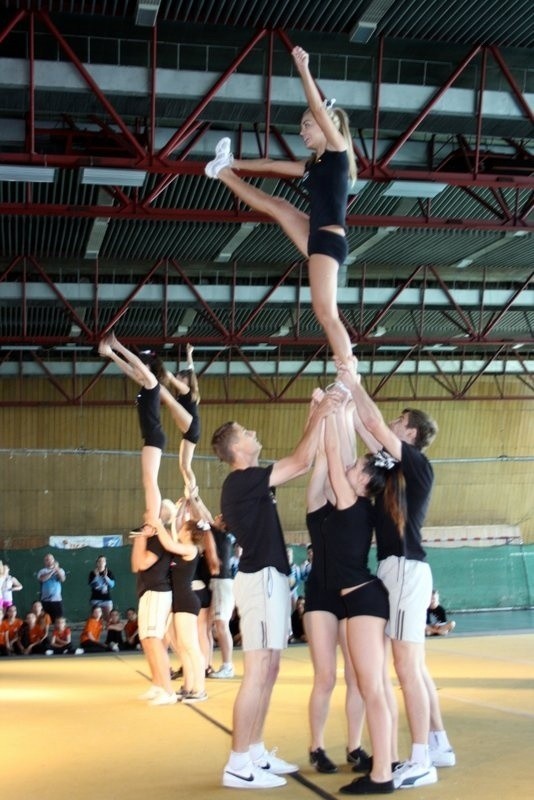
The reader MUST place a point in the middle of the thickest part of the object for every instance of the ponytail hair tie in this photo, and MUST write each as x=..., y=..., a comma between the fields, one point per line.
x=203, y=525
x=329, y=104
x=383, y=460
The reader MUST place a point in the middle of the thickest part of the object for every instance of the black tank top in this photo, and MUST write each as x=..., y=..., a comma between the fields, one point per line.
x=327, y=180
x=347, y=535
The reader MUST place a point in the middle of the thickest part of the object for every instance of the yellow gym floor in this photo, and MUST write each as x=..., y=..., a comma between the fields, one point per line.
x=72, y=727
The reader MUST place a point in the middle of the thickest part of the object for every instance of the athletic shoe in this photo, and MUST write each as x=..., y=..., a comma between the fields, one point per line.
x=223, y=158
x=251, y=778
x=177, y=673
x=164, y=699
x=194, y=697
x=410, y=775
x=222, y=672
x=442, y=757
x=114, y=647
x=79, y=651
x=49, y=652
x=362, y=761
x=208, y=671
x=366, y=786
x=151, y=693
x=271, y=763
x=321, y=762
x=394, y=765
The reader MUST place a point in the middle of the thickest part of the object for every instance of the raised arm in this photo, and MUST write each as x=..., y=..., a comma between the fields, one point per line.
x=369, y=412
x=316, y=105
x=344, y=493
x=301, y=459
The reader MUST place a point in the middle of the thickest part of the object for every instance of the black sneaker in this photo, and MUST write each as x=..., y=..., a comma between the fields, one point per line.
x=362, y=761
x=366, y=786
x=394, y=765
x=177, y=673
x=321, y=762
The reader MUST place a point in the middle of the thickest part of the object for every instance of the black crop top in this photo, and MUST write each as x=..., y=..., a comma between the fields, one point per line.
x=327, y=180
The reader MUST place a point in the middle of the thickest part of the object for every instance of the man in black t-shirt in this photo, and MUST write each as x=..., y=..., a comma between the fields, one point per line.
x=403, y=569
x=261, y=586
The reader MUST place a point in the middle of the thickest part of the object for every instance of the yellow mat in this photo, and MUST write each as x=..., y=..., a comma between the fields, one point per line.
x=72, y=727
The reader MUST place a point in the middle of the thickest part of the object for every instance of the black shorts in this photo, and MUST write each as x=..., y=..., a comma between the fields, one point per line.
x=186, y=602
x=328, y=243
x=193, y=434
x=370, y=600
x=204, y=596
x=319, y=599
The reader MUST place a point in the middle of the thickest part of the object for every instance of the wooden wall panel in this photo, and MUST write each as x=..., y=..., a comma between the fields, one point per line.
x=95, y=485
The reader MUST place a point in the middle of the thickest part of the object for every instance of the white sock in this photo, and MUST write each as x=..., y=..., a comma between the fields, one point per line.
x=441, y=740
x=238, y=761
x=256, y=750
x=420, y=754
x=227, y=665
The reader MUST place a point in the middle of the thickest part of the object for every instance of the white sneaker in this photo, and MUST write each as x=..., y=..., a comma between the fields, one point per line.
x=223, y=158
x=164, y=699
x=410, y=775
x=250, y=778
x=114, y=646
x=151, y=693
x=49, y=652
x=271, y=763
x=79, y=651
x=441, y=757
x=222, y=672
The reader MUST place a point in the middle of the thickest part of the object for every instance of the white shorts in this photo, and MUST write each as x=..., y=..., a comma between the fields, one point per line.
x=409, y=584
x=153, y=614
x=264, y=606
x=222, y=598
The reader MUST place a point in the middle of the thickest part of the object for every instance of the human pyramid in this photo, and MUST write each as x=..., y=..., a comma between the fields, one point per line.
x=384, y=493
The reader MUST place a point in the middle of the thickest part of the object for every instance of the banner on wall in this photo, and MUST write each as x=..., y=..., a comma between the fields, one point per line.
x=77, y=542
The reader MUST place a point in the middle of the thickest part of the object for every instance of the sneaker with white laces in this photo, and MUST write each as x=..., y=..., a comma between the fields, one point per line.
x=194, y=697
x=270, y=762
x=442, y=757
x=410, y=775
x=164, y=699
x=222, y=672
x=250, y=777
x=223, y=158
x=79, y=651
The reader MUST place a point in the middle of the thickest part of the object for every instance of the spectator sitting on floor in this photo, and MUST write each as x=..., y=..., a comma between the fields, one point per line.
x=12, y=624
x=436, y=618
x=32, y=638
x=115, y=628
x=61, y=640
x=131, y=630
x=90, y=636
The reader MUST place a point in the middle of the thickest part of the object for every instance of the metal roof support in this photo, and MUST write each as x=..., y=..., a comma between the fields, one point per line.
x=184, y=130
x=495, y=319
x=136, y=147
x=383, y=311
x=474, y=378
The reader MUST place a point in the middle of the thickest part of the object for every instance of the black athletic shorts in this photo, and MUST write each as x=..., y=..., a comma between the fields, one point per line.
x=328, y=243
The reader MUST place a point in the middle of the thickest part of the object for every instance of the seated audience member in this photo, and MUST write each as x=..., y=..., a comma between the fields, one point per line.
x=12, y=625
x=61, y=639
x=44, y=620
x=297, y=622
x=32, y=637
x=90, y=636
x=436, y=618
x=115, y=628
x=131, y=630
x=4, y=640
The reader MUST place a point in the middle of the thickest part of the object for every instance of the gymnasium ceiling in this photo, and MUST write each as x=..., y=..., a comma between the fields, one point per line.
x=440, y=224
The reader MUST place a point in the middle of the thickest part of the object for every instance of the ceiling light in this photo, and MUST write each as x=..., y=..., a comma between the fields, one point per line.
x=414, y=189
x=146, y=12
x=113, y=177
x=465, y=262
x=27, y=174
